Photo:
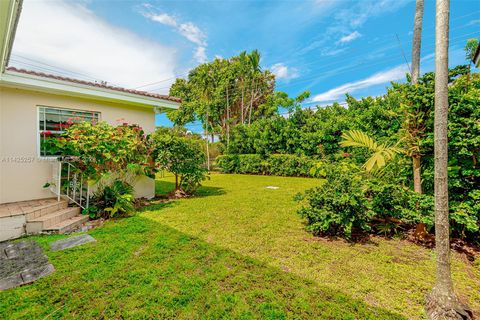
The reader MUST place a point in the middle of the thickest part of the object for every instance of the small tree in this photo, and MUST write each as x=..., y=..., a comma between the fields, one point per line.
x=182, y=156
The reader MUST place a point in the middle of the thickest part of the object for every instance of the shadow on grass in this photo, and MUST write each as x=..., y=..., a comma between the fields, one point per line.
x=204, y=191
x=163, y=188
x=139, y=268
x=157, y=206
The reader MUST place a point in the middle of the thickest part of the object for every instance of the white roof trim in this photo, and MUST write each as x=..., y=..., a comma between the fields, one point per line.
x=56, y=86
x=9, y=14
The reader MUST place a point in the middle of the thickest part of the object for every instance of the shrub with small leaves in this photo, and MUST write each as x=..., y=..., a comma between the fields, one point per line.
x=183, y=156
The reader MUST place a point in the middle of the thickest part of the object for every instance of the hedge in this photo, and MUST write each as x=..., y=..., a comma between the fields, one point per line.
x=275, y=164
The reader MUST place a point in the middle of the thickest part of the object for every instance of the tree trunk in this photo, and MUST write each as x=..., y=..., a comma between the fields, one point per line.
x=176, y=181
x=417, y=178
x=417, y=41
x=416, y=48
x=442, y=303
x=228, y=120
x=251, y=107
x=206, y=141
x=243, y=93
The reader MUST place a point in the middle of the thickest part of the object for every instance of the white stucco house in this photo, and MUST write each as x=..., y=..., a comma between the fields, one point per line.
x=31, y=102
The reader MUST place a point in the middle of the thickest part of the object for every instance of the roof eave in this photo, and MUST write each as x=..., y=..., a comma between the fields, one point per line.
x=60, y=87
x=9, y=16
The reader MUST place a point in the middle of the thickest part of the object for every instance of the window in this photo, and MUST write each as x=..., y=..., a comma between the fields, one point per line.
x=52, y=123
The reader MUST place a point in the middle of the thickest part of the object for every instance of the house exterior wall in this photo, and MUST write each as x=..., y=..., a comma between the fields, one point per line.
x=22, y=172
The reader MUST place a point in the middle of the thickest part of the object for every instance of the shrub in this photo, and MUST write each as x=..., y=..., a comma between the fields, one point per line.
x=339, y=205
x=290, y=165
x=228, y=163
x=350, y=199
x=250, y=163
x=111, y=158
x=102, y=148
x=112, y=200
x=183, y=156
x=392, y=203
x=466, y=215
x=277, y=164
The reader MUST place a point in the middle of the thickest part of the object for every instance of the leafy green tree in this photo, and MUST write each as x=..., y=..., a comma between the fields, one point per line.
x=231, y=91
x=183, y=156
x=470, y=49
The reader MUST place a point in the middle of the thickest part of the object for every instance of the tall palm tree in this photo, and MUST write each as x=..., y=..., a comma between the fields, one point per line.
x=417, y=40
x=243, y=64
x=254, y=59
x=442, y=303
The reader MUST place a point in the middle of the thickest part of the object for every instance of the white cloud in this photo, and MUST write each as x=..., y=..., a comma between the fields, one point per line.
x=356, y=15
x=193, y=33
x=350, y=37
x=188, y=30
x=200, y=54
x=344, y=21
x=281, y=71
x=163, y=18
x=386, y=76
x=473, y=22
x=332, y=51
x=70, y=36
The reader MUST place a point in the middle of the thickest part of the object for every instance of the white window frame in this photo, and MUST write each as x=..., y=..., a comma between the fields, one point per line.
x=39, y=130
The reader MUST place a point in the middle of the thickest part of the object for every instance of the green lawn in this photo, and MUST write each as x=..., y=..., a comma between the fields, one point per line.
x=236, y=251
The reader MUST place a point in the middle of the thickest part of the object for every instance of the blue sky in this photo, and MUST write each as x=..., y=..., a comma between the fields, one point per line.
x=326, y=46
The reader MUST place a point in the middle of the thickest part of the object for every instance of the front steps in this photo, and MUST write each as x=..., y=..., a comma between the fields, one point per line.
x=54, y=217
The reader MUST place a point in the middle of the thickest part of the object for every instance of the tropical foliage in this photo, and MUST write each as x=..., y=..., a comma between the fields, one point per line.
x=349, y=200
x=381, y=153
x=224, y=92
x=390, y=136
x=111, y=158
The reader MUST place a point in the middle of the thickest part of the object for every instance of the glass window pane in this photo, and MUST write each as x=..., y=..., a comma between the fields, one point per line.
x=52, y=122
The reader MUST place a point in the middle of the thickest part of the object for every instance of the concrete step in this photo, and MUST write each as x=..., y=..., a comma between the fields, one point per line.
x=68, y=224
x=43, y=210
x=36, y=225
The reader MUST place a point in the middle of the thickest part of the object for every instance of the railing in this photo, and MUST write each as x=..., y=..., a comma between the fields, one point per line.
x=70, y=184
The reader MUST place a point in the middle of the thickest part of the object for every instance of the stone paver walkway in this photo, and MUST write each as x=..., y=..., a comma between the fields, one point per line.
x=71, y=242
x=22, y=263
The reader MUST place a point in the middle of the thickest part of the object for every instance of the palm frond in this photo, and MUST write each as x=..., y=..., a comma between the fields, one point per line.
x=381, y=153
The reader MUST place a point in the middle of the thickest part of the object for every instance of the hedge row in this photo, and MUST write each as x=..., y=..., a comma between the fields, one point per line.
x=275, y=164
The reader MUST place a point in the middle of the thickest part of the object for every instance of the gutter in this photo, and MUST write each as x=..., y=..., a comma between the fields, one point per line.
x=14, y=8
x=14, y=31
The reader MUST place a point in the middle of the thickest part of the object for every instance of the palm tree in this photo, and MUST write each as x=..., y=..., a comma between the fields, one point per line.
x=243, y=64
x=254, y=59
x=442, y=303
x=417, y=40
x=381, y=153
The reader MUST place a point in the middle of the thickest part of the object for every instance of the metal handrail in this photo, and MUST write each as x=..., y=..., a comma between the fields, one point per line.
x=72, y=177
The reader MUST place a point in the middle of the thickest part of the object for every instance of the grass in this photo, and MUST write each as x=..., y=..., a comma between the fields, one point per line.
x=236, y=251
